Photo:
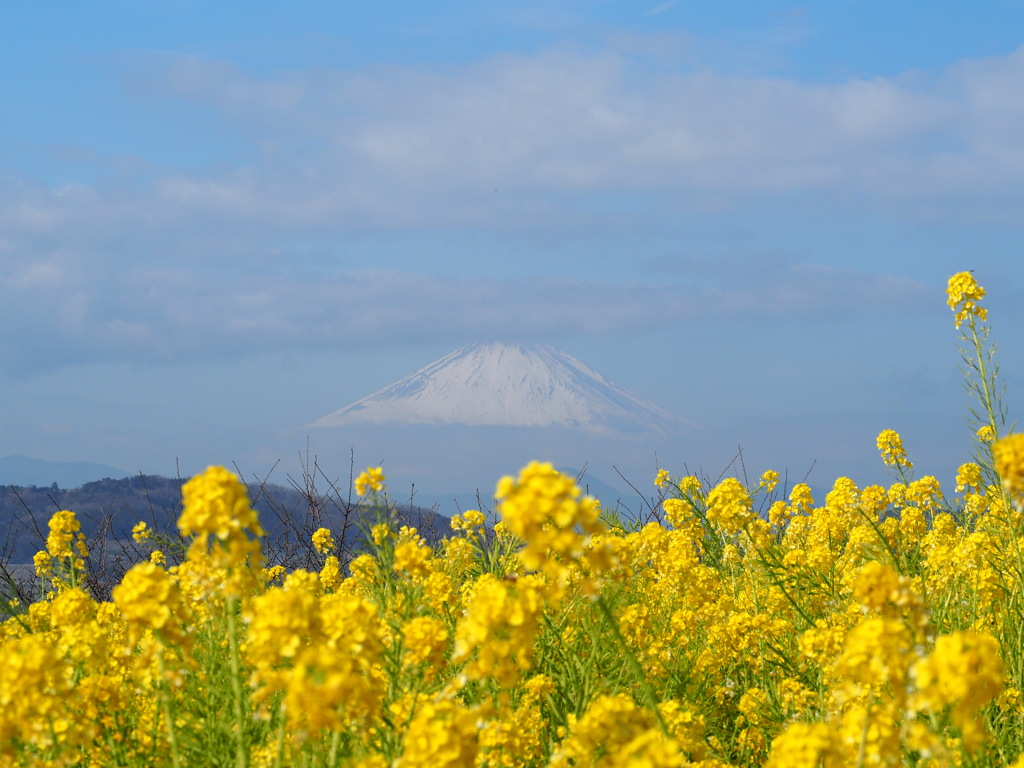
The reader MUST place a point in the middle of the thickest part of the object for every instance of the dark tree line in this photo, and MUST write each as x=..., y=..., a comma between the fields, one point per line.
x=109, y=509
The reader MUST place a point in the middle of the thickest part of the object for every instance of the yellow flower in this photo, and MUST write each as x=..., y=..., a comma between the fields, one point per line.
x=364, y=569
x=870, y=734
x=874, y=657
x=372, y=478
x=769, y=480
x=986, y=434
x=282, y=621
x=874, y=500
x=755, y=706
x=544, y=508
x=499, y=625
x=222, y=560
x=330, y=575
x=322, y=652
x=468, y=521
x=891, y=445
x=442, y=734
x=34, y=684
x=1008, y=454
x=912, y=524
x=690, y=486
x=43, y=564
x=412, y=557
x=274, y=574
x=801, y=499
x=63, y=527
x=878, y=586
x=148, y=597
x=615, y=727
x=323, y=541
x=685, y=725
x=216, y=502
x=661, y=479
x=968, y=477
x=729, y=506
x=963, y=294
x=925, y=493
x=379, y=533
x=141, y=532
x=516, y=739
x=425, y=639
x=677, y=511
x=805, y=745
x=966, y=671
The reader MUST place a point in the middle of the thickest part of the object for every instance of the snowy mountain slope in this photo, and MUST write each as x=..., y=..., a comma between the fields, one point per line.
x=491, y=384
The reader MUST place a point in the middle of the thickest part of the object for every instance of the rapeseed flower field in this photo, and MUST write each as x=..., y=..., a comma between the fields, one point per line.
x=877, y=626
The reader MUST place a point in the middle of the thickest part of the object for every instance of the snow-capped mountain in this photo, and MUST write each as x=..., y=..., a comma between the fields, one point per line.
x=522, y=385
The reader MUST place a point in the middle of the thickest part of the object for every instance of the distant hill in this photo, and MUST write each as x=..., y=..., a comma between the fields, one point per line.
x=109, y=508
x=24, y=470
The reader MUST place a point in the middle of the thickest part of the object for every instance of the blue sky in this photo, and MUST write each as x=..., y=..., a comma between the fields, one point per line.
x=221, y=221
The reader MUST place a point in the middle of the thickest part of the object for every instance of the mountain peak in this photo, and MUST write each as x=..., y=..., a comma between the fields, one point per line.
x=508, y=384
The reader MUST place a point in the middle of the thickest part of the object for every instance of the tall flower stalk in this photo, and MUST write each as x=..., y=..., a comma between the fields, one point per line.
x=987, y=415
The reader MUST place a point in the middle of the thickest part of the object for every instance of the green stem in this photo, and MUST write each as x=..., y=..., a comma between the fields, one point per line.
x=332, y=759
x=165, y=701
x=988, y=395
x=632, y=661
x=279, y=747
x=241, y=753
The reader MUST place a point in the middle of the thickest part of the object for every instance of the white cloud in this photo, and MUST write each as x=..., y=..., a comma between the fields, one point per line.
x=538, y=140
x=405, y=146
x=525, y=144
x=159, y=315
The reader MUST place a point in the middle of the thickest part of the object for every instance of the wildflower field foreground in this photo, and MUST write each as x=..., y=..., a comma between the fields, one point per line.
x=745, y=626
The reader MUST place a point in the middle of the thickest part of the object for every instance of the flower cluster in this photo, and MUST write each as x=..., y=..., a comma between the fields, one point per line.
x=371, y=479
x=1008, y=454
x=216, y=503
x=731, y=626
x=63, y=562
x=871, y=629
x=965, y=672
x=963, y=294
x=891, y=446
x=547, y=511
x=224, y=529
x=729, y=506
x=323, y=540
